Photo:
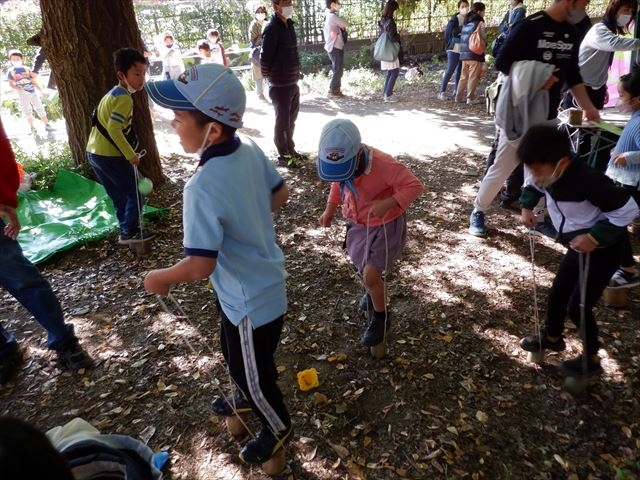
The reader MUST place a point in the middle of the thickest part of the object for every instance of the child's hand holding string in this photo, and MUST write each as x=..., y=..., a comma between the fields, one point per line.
x=379, y=208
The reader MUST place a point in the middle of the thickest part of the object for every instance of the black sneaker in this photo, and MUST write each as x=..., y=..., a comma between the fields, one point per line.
x=73, y=357
x=546, y=228
x=575, y=367
x=374, y=334
x=365, y=304
x=537, y=343
x=9, y=366
x=136, y=237
x=223, y=406
x=289, y=161
x=511, y=205
x=264, y=446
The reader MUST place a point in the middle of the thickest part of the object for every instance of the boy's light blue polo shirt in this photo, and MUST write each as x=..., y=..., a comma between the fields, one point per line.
x=227, y=216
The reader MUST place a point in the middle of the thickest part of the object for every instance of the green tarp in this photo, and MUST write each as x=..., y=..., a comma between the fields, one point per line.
x=76, y=211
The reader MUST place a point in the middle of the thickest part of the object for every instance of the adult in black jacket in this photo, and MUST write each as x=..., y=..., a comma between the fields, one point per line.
x=280, y=65
x=452, y=44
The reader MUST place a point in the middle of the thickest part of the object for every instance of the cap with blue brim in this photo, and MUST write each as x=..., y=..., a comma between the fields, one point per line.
x=338, y=150
x=210, y=88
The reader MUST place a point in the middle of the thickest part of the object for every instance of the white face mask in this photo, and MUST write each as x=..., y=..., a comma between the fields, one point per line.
x=577, y=15
x=623, y=107
x=261, y=16
x=205, y=140
x=553, y=178
x=623, y=20
x=464, y=10
x=17, y=63
x=287, y=12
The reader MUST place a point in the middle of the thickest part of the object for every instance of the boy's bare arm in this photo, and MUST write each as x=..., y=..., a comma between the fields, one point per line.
x=189, y=269
x=35, y=82
x=279, y=197
x=13, y=85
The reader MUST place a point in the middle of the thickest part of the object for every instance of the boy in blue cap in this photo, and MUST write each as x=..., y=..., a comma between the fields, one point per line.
x=374, y=190
x=229, y=237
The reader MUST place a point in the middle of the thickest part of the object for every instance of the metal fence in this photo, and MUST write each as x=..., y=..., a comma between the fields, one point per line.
x=189, y=20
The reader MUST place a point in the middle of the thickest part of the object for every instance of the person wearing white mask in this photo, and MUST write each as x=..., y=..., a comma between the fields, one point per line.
x=335, y=35
x=255, y=42
x=600, y=44
x=280, y=65
x=549, y=37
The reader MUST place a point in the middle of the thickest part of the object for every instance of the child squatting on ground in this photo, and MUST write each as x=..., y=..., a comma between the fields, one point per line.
x=229, y=236
x=591, y=215
x=109, y=148
x=24, y=82
x=374, y=190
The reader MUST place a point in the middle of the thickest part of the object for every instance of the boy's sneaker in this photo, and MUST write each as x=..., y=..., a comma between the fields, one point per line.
x=476, y=224
x=136, y=237
x=537, y=343
x=335, y=94
x=477, y=101
x=622, y=278
x=9, y=366
x=48, y=127
x=365, y=304
x=389, y=99
x=546, y=228
x=374, y=334
x=73, y=357
x=264, y=446
x=575, y=367
x=223, y=406
x=442, y=96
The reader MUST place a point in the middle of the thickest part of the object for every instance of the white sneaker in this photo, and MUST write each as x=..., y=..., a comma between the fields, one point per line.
x=389, y=99
x=441, y=96
x=473, y=102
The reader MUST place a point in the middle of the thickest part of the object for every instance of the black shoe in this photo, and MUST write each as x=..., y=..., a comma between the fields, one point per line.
x=289, y=161
x=365, y=304
x=223, y=406
x=301, y=157
x=73, y=357
x=136, y=237
x=375, y=332
x=537, y=343
x=264, y=446
x=9, y=366
x=511, y=205
x=575, y=367
x=546, y=228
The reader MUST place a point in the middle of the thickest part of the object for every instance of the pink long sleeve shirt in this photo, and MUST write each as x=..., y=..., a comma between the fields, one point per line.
x=383, y=178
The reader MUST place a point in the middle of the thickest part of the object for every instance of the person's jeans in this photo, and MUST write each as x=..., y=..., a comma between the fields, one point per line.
x=27, y=285
x=119, y=180
x=453, y=65
x=390, y=82
x=337, y=66
x=286, y=103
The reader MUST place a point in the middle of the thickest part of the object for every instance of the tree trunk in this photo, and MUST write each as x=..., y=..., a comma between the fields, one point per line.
x=79, y=38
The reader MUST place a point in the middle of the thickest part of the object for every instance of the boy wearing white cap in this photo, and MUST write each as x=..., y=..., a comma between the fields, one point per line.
x=229, y=237
x=374, y=190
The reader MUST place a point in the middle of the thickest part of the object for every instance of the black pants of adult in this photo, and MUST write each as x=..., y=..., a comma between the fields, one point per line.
x=627, y=259
x=249, y=356
x=513, y=184
x=565, y=291
x=286, y=103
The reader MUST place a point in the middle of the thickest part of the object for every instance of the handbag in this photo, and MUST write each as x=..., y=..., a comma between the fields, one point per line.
x=477, y=44
x=385, y=49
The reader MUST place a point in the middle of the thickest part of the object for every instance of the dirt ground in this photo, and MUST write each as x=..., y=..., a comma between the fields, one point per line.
x=455, y=397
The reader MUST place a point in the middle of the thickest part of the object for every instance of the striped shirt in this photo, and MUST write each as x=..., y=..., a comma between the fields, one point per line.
x=629, y=142
x=115, y=113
